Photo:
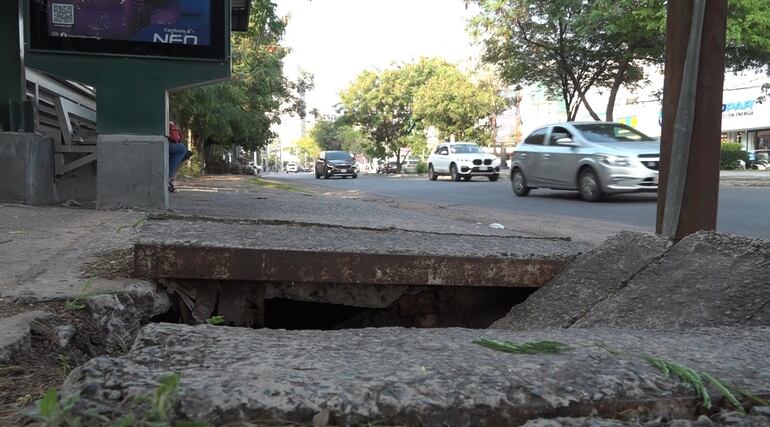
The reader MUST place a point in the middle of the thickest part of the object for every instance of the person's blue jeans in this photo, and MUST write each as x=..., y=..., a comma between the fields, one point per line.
x=176, y=153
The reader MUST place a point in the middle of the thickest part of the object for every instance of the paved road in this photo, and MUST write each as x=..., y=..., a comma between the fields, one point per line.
x=742, y=210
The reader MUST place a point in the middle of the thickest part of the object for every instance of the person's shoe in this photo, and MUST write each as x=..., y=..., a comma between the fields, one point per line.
x=171, y=188
x=187, y=155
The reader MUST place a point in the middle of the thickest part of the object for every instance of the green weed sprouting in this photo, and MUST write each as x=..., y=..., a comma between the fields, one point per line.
x=696, y=379
x=525, y=347
x=56, y=413
x=136, y=225
x=216, y=320
x=277, y=185
x=77, y=302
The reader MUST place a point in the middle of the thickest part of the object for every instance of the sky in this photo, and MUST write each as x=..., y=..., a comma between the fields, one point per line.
x=335, y=40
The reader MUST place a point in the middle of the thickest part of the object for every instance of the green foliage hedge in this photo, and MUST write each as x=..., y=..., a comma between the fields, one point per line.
x=730, y=153
x=422, y=167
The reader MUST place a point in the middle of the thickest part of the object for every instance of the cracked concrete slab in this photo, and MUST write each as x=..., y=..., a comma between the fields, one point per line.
x=195, y=249
x=637, y=281
x=585, y=282
x=418, y=376
x=707, y=279
x=16, y=334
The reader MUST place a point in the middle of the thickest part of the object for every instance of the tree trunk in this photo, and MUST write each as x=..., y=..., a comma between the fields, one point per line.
x=617, y=82
x=588, y=106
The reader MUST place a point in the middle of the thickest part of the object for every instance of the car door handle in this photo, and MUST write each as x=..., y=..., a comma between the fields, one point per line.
x=546, y=156
x=523, y=154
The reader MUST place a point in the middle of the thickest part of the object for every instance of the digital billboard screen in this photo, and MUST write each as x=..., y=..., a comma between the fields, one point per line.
x=177, y=28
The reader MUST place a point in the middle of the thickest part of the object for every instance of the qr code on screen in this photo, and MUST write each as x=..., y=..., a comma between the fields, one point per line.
x=62, y=14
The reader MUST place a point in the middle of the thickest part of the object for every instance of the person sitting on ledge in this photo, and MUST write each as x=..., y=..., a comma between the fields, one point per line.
x=177, y=153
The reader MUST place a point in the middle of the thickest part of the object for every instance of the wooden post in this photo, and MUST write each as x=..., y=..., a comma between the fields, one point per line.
x=692, y=118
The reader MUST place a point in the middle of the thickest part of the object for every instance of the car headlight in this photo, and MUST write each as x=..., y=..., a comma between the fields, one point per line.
x=613, y=160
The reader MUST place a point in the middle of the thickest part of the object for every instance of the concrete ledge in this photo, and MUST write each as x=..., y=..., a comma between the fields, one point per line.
x=431, y=377
x=132, y=171
x=211, y=250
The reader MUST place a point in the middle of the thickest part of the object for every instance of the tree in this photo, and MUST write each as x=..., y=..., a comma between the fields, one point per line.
x=242, y=110
x=308, y=149
x=453, y=104
x=571, y=46
x=630, y=34
x=336, y=134
x=536, y=42
x=381, y=104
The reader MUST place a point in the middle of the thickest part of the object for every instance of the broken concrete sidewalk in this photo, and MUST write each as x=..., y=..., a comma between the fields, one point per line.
x=638, y=281
x=417, y=376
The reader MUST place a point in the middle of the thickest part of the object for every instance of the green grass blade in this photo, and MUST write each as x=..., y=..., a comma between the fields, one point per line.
x=525, y=347
x=726, y=392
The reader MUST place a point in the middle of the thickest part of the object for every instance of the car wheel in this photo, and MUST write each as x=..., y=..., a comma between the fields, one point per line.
x=589, y=186
x=493, y=178
x=431, y=173
x=453, y=172
x=326, y=175
x=317, y=176
x=519, y=184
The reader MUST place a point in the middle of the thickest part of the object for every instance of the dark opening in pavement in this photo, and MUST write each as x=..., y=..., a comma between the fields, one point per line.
x=244, y=304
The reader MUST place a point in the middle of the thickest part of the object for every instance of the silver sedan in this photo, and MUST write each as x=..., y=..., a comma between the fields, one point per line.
x=594, y=158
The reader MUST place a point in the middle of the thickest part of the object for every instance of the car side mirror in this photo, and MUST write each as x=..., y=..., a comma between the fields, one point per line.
x=567, y=142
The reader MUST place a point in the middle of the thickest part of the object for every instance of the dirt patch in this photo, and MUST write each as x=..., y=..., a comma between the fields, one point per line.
x=24, y=381
x=112, y=264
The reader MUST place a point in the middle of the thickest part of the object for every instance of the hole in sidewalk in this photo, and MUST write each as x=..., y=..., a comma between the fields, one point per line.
x=335, y=306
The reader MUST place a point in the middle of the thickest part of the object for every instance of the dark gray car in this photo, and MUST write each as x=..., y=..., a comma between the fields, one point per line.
x=595, y=158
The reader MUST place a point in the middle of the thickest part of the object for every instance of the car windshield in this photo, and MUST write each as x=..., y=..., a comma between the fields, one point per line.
x=337, y=155
x=465, y=148
x=612, y=132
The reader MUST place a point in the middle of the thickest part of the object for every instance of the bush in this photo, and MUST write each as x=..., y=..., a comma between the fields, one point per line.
x=730, y=153
x=422, y=167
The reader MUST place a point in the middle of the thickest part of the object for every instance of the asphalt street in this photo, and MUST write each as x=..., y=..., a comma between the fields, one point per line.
x=742, y=210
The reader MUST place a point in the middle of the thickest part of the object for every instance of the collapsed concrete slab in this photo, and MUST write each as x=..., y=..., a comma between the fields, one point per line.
x=636, y=281
x=707, y=279
x=585, y=282
x=240, y=250
x=416, y=376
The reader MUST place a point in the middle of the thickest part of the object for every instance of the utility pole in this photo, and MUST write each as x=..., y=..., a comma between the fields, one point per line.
x=692, y=117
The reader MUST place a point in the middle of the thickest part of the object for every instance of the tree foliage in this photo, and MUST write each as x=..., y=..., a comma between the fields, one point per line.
x=337, y=134
x=571, y=46
x=452, y=103
x=394, y=107
x=242, y=110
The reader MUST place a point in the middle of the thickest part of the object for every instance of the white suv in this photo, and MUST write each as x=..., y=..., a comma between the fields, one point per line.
x=291, y=167
x=462, y=160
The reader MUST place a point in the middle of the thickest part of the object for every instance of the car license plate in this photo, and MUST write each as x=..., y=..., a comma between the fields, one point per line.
x=344, y=171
